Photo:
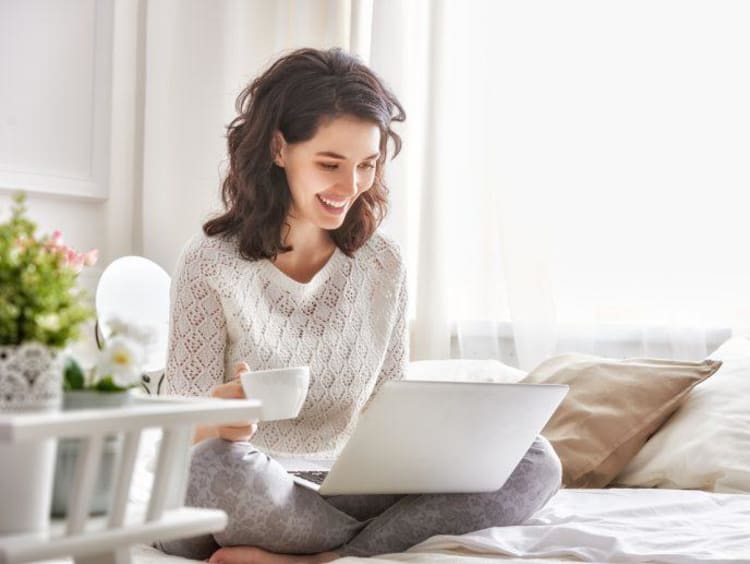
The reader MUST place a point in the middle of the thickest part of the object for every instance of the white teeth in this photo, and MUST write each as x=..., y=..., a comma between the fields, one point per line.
x=331, y=203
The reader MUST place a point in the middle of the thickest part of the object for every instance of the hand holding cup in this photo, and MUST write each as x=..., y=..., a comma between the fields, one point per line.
x=241, y=430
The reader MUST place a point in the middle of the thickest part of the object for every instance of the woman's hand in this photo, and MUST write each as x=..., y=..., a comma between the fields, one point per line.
x=241, y=430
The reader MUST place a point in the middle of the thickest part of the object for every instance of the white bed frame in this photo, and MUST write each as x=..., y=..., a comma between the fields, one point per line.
x=107, y=539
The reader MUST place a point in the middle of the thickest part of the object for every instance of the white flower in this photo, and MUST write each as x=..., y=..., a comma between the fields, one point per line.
x=48, y=321
x=122, y=359
x=14, y=256
x=143, y=334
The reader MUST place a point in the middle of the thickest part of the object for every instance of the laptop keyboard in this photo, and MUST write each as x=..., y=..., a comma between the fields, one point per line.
x=314, y=476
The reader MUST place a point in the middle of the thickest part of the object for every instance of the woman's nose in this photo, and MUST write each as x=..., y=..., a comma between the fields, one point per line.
x=349, y=182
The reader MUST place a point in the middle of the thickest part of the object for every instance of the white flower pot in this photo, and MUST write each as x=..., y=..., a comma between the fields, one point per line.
x=69, y=449
x=30, y=381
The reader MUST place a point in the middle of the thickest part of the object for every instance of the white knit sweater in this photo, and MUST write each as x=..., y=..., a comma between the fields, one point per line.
x=347, y=324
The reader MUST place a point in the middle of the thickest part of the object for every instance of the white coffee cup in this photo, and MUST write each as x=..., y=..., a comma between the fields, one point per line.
x=282, y=390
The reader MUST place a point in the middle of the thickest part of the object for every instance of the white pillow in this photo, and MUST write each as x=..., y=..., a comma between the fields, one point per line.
x=706, y=443
x=463, y=370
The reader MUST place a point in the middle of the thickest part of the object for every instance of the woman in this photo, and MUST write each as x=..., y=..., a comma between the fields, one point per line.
x=295, y=273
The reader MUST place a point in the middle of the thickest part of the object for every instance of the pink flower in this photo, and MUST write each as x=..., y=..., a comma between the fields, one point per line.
x=73, y=260
x=90, y=258
x=75, y=263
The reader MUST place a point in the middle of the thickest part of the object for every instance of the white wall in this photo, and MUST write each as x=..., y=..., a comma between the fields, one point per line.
x=55, y=127
x=166, y=75
x=70, y=121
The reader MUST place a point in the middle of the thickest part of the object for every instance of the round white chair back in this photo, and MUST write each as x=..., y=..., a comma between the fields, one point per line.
x=135, y=290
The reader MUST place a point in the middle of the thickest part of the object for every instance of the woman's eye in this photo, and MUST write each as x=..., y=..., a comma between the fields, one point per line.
x=327, y=166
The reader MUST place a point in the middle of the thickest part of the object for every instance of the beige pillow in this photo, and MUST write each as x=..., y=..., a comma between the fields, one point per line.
x=612, y=408
x=706, y=443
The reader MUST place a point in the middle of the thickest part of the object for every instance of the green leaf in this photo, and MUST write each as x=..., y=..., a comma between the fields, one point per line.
x=106, y=384
x=73, y=375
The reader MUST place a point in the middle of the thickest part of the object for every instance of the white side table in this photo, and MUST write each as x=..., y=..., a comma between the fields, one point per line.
x=107, y=539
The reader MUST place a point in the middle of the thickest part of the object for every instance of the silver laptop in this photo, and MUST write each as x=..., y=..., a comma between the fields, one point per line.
x=435, y=437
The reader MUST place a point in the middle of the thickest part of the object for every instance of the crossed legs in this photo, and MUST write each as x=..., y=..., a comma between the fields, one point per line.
x=268, y=511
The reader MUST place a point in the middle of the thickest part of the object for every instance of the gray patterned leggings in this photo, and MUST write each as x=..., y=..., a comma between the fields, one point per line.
x=268, y=510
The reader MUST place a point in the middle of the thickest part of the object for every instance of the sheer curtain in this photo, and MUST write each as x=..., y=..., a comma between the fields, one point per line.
x=584, y=178
x=573, y=175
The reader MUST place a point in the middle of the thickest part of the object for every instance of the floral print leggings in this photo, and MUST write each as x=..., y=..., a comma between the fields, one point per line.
x=268, y=510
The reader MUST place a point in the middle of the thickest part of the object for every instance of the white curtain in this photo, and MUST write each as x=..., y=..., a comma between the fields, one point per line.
x=584, y=179
x=573, y=175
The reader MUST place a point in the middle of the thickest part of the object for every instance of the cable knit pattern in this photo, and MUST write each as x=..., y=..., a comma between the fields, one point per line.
x=347, y=324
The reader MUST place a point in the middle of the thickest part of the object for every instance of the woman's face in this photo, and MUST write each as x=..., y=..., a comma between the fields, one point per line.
x=327, y=173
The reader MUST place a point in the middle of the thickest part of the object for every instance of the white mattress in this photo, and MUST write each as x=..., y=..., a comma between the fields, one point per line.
x=602, y=525
x=607, y=525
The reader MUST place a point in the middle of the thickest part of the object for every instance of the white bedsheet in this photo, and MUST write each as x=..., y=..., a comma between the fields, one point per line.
x=602, y=525
x=611, y=525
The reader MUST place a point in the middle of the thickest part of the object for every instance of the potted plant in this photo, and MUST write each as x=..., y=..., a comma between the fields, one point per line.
x=117, y=368
x=41, y=310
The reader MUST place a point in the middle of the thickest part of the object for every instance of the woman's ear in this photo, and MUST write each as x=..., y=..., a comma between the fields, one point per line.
x=278, y=149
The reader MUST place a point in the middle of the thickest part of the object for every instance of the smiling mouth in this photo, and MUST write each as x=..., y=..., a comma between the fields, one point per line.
x=333, y=203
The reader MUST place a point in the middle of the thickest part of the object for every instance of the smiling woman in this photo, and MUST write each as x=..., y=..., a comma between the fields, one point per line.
x=294, y=273
x=323, y=187
x=302, y=137
x=325, y=184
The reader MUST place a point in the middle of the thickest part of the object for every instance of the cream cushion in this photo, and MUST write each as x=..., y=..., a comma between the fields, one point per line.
x=706, y=444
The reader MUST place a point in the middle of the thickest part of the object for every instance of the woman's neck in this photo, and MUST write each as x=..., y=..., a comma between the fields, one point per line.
x=306, y=239
x=311, y=249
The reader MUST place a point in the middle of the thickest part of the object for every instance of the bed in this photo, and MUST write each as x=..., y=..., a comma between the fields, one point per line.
x=680, y=496
x=594, y=525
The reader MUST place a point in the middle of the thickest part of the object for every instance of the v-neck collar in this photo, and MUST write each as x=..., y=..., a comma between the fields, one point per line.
x=293, y=285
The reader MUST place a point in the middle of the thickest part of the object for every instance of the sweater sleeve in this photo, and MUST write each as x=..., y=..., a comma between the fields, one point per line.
x=197, y=330
x=397, y=351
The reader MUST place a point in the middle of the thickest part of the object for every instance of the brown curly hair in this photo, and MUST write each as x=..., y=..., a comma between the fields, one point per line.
x=296, y=94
